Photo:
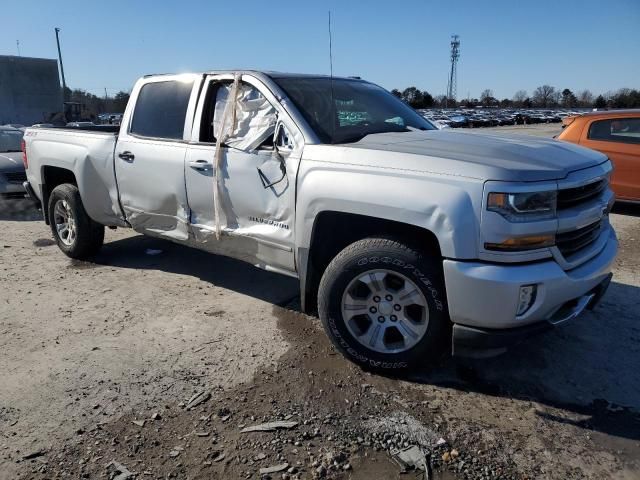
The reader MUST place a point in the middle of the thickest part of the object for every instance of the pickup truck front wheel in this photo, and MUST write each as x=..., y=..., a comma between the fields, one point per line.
x=76, y=234
x=383, y=305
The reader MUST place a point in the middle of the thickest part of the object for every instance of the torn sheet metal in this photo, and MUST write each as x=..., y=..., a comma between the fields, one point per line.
x=270, y=426
x=172, y=227
x=411, y=458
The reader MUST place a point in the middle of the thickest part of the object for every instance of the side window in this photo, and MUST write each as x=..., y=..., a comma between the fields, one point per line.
x=621, y=130
x=255, y=117
x=161, y=110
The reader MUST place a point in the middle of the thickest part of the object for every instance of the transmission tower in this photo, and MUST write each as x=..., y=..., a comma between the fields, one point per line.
x=453, y=75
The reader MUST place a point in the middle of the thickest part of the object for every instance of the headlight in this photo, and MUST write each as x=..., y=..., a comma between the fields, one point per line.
x=525, y=206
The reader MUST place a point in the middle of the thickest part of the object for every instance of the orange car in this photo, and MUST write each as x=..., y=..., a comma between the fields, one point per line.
x=616, y=133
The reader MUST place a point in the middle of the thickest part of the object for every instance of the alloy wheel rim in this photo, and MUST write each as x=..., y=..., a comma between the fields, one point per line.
x=385, y=311
x=65, y=222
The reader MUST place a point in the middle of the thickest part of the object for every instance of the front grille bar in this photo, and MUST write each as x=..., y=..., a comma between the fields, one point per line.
x=571, y=242
x=570, y=197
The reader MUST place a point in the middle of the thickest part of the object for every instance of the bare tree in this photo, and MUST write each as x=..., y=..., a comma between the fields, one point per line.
x=585, y=98
x=519, y=97
x=487, y=98
x=545, y=96
x=488, y=93
x=440, y=100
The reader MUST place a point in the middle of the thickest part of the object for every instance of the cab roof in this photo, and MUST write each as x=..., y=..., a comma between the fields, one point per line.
x=268, y=73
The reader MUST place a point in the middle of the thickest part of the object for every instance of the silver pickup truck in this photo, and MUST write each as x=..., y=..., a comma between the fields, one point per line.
x=407, y=240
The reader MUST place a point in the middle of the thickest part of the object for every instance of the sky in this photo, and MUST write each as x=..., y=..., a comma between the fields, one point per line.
x=505, y=45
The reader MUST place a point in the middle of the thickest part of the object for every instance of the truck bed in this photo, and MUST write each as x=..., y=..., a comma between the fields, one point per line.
x=86, y=153
x=113, y=129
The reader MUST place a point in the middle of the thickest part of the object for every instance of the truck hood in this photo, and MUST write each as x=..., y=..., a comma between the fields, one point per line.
x=478, y=155
x=11, y=162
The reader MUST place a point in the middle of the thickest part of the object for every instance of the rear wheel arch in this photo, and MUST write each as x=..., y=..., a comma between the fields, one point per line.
x=333, y=231
x=76, y=234
x=51, y=178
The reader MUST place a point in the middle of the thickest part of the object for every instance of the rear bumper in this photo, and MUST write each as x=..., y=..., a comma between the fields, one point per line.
x=477, y=342
x=10, y=189
x=31, y=194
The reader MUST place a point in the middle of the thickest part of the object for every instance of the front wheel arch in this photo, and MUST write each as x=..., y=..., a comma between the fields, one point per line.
x=325, y=245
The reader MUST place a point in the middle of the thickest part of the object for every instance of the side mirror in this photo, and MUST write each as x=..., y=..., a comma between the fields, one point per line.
x=281, y=138
x=282, y=143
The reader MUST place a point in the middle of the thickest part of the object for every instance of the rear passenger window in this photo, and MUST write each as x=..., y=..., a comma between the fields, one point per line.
x=161, y=109
x=621, y=130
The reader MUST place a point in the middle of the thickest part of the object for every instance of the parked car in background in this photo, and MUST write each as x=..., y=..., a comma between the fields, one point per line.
x=616, y=133
x=12, y=173
x=17, y=126
x=80, y=124
x=42, y=125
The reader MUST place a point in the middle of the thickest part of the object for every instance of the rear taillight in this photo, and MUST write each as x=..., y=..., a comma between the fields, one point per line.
x=24, y=154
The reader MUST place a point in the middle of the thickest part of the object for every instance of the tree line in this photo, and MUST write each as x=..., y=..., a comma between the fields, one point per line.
x=93, y=105
x=545, y=96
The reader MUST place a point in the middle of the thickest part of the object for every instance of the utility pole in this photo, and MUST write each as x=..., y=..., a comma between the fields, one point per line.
x=64, y=83
x=18, y=45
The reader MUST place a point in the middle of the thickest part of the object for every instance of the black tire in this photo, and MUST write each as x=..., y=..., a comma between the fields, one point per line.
x=380, y=253
x=89, y=235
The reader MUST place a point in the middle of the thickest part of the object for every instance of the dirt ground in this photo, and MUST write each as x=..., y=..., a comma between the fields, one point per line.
x=89, y=348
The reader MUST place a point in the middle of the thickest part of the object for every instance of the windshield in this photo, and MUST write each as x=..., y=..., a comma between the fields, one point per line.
x=10, y=140
x=360, y=109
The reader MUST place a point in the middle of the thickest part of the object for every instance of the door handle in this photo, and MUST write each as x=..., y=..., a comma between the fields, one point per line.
x=127, y=156
x=201, y=165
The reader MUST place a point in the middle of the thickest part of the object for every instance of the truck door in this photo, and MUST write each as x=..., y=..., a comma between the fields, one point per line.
x=257, y=173
x=150, y=152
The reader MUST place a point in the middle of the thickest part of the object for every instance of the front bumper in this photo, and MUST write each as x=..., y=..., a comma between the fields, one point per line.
x=483, y=297
x=476, y=342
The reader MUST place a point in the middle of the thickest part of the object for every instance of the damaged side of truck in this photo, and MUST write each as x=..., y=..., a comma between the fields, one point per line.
x=339, y=184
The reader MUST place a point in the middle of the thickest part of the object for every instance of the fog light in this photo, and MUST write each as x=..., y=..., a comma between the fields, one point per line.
x=526, y=298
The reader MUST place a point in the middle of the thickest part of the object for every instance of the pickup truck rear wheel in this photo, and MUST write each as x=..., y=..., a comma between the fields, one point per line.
x=383, y=305
x=75, y=233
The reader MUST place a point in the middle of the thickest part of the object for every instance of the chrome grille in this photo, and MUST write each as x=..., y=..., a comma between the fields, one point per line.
x=15, y=177
x=571, y=242
x=571, y=197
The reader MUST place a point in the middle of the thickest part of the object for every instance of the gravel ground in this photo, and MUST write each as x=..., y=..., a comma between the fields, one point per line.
x=101, y=359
